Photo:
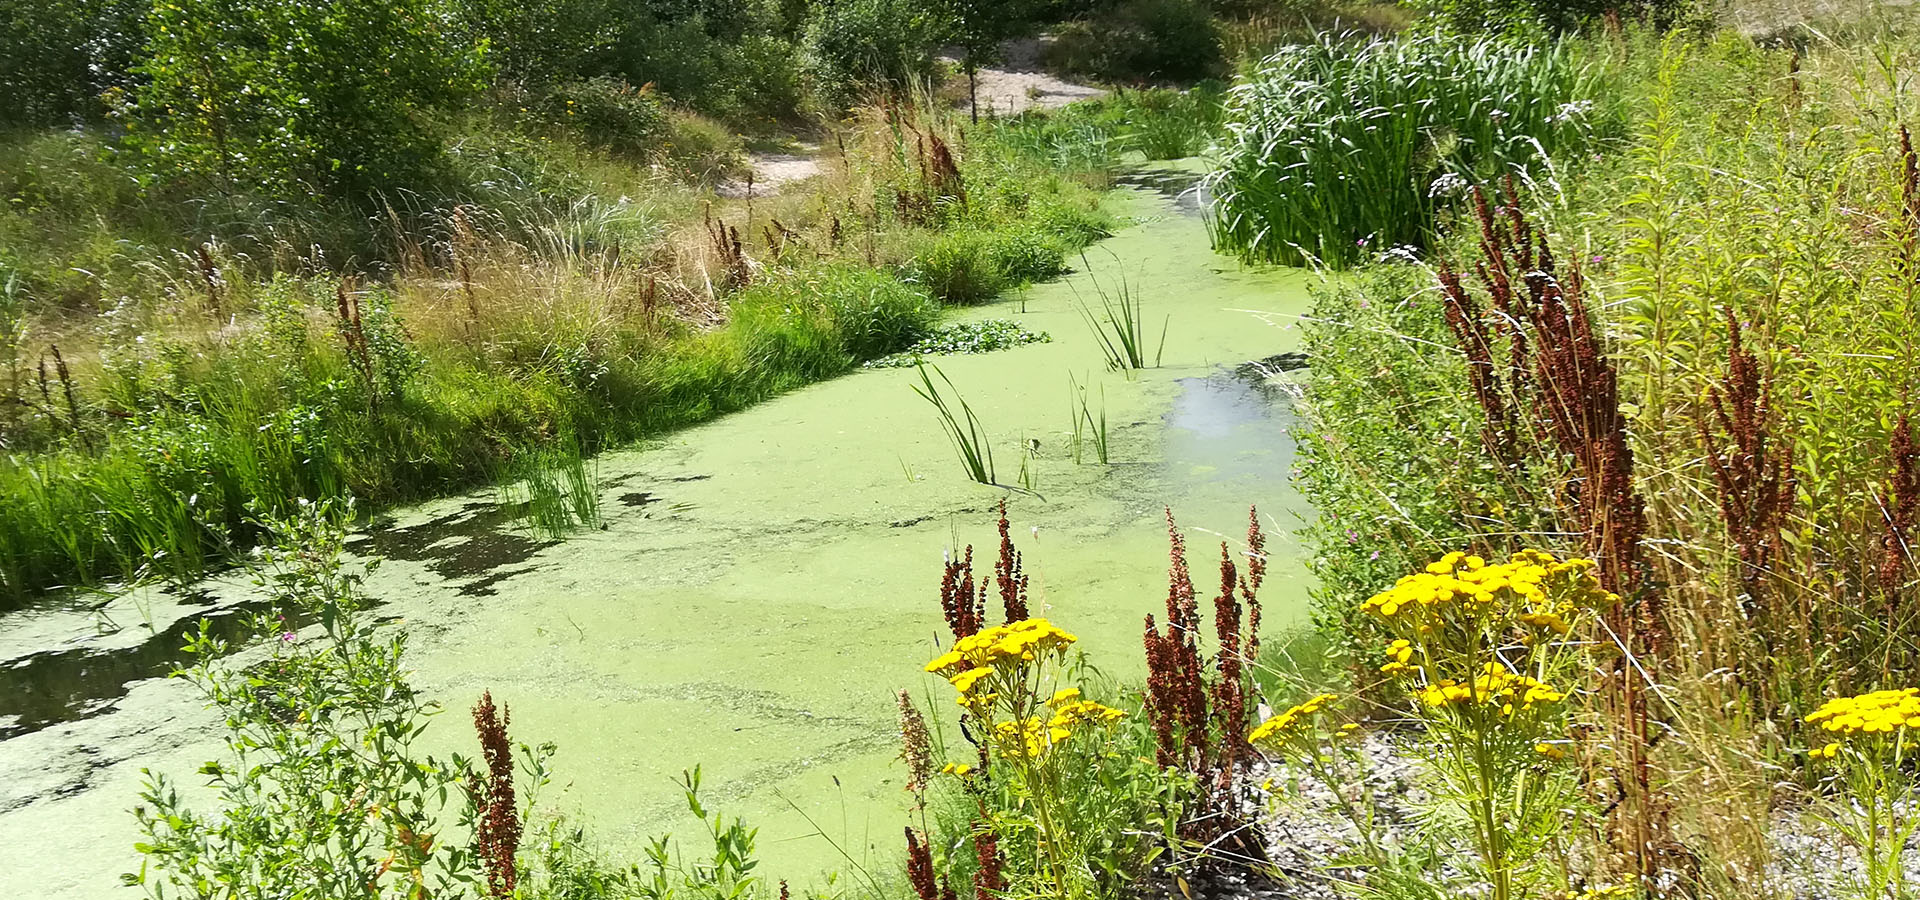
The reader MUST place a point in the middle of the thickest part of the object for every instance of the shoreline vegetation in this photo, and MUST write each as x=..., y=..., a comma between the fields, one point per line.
x=182, y=348
x=1608, y=421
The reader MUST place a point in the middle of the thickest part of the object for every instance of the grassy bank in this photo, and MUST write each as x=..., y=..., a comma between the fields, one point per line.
x=142, y=448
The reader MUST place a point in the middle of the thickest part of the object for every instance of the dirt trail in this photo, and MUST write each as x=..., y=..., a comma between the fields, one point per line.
x=1018, y=84
x=1011, y=88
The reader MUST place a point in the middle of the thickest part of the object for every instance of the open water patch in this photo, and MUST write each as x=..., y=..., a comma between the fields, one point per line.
x=1185, y=187
x=476, y=545
x=53, y=687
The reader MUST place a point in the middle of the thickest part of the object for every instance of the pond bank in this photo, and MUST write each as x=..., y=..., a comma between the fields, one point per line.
x=764, y=582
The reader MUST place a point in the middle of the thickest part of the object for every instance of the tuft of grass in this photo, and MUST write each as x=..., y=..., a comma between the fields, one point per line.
x=553, y=491
x=1119, y=325
x=962, y=426
x=1087, y=426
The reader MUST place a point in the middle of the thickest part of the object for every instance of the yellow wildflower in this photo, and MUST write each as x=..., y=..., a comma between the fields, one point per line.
x=1283, y=725
x=1879, y=712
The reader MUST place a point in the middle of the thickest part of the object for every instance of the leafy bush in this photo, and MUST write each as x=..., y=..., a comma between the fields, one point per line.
x=58, y=57
x=337, y=95
x=857, y=45
x=971, y=266
x=874, y=313
x=700, y=149
x=1337, y=149
x=610, y=113
x=1142, y=41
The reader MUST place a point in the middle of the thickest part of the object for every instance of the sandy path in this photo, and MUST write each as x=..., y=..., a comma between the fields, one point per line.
x=1018, y=84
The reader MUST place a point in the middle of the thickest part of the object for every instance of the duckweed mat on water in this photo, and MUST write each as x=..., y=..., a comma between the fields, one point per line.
x=766, y=581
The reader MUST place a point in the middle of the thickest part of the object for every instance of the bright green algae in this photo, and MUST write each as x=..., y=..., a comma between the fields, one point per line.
x=765, y=582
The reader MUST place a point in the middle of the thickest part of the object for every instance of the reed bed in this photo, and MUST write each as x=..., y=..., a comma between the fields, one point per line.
x=1340, y=148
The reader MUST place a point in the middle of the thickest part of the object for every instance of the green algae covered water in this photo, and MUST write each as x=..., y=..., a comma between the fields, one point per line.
x=761, y=587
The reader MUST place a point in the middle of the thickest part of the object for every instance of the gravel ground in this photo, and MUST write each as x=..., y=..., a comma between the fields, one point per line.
x=1306, y=835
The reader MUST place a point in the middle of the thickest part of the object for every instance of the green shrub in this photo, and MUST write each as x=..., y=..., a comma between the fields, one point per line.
x=859, y=45
x=1142, y=41
x=958, y=268
x=875, y=313
x=700, y=149
x=1338, y=150
x=610, y=113
x=57, y=57
x=338, y=95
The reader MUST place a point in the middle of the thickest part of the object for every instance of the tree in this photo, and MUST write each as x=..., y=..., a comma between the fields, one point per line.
x=334, y=96
x=58, y=56
x=865, y=44
x=979, y=26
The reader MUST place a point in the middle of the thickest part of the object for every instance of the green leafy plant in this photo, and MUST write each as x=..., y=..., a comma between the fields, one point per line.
x=336, y=95
x=985, y=336
x=877, y=45
x=322, y=790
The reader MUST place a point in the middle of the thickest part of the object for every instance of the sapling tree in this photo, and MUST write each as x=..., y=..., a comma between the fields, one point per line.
x=978, y=27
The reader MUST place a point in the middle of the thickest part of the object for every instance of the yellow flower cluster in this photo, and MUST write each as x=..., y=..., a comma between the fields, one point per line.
x=1828, y=752
x=1286, y=724
x=978, y=655
x=1031, y=737
x=1021, y=738
x=960, y=769
x=1072, y=715
x=1548, y=590
x=1880, y=712
x=1494, y=685
x=1399, y=657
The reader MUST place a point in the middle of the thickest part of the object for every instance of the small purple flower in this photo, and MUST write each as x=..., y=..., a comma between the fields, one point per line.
x=1374, y=555
x=286, y=637
x=1597, y=259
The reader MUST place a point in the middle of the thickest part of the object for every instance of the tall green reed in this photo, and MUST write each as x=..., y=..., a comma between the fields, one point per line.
x=1338, y=148
x=1119, y=324
x=961, y=425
